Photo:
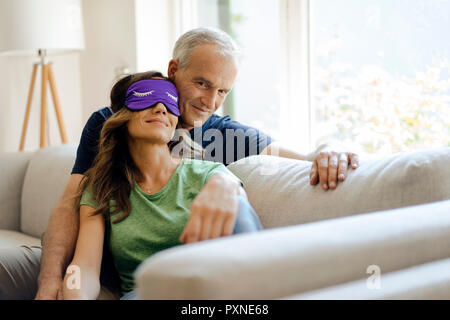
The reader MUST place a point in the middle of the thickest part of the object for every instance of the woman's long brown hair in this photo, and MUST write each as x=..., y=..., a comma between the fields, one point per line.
x=113, y=174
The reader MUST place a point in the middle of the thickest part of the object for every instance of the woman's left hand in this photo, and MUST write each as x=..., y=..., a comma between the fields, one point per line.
x=214, y=210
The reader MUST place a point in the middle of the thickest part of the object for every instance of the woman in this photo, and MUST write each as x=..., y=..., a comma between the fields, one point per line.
x=137, y=191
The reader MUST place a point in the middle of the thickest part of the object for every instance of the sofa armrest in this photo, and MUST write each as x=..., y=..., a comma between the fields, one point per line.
x=13, y=167
x=285, y=261
x=429, y=281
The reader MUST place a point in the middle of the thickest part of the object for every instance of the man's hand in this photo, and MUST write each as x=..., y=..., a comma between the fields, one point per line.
x=50, y=289
x=330, y=167
x=213, y=211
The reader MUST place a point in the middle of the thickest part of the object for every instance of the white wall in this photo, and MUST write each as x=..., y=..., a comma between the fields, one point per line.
x=153, y=39
x=110, y=41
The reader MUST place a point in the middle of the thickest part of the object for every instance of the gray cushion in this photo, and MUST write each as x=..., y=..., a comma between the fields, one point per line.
x=46, y=177
x=11, y=239
x=13, y=167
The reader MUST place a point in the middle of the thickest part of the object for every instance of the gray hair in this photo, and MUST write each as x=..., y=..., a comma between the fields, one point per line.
x=186, y=44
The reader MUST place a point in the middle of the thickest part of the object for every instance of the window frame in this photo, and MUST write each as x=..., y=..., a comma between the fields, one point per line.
x=178, y=16
x=296, y=109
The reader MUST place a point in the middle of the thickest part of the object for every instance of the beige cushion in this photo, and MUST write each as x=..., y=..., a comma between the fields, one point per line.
x=11, y=239
x=280, y=192
x=46, y=177
x=285, y=261
x=427, y=281
x=13, y=167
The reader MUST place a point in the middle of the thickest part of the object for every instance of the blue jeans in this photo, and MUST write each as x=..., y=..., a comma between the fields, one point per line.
x=132, y=295
x=246, y=221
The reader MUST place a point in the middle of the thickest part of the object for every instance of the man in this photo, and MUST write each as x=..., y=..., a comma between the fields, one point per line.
x=204, y=68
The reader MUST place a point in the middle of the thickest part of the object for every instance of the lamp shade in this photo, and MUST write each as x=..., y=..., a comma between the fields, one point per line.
x=29, y=25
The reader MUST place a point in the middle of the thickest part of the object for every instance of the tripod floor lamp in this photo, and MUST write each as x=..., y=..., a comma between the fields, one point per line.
x=42, y=27
x=47, y=75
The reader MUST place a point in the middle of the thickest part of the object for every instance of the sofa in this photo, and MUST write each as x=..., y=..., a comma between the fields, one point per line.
x=383, y=233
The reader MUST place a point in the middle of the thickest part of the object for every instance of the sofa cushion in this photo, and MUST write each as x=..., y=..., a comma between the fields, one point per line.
x=280, y=262
x=11, y=239
x=280, y=192
x=46, y=177
x=13, y=166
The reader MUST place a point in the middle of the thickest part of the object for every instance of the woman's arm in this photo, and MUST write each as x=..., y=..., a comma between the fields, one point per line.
x=82, y=280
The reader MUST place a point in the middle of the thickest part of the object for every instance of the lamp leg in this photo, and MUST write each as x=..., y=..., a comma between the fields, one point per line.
x=27, y=111
x=43, y=105
x=62, y=129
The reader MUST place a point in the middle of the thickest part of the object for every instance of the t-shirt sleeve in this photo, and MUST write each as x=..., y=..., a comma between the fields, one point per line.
x=88, y=199
x=241, y=141
x=219, y=168
x=88, y=147
x=255, y=140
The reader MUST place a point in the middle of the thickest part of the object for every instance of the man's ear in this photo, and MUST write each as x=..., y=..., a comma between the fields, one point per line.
x=172, y=69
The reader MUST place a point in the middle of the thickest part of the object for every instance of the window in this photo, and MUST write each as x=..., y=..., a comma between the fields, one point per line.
x=255, y=26
x=380, y=73
x=372, y=74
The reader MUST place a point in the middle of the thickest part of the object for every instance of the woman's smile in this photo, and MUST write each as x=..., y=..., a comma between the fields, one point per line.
x=157, y=121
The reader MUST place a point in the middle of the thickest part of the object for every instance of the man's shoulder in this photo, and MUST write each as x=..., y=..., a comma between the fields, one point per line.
x=225, y=122
x=103, y=113
x=99, y=117
x=88, y=147
x=217, y=122
x=215, y=118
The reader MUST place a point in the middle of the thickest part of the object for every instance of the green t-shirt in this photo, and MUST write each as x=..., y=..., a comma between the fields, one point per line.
x=157, y=220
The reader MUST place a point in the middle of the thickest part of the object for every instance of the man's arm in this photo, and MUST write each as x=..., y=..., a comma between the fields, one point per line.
x=59, y=242
x=328, y=167
x=276, y=149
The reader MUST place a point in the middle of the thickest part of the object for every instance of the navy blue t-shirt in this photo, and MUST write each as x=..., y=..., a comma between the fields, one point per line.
x=223, y=139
